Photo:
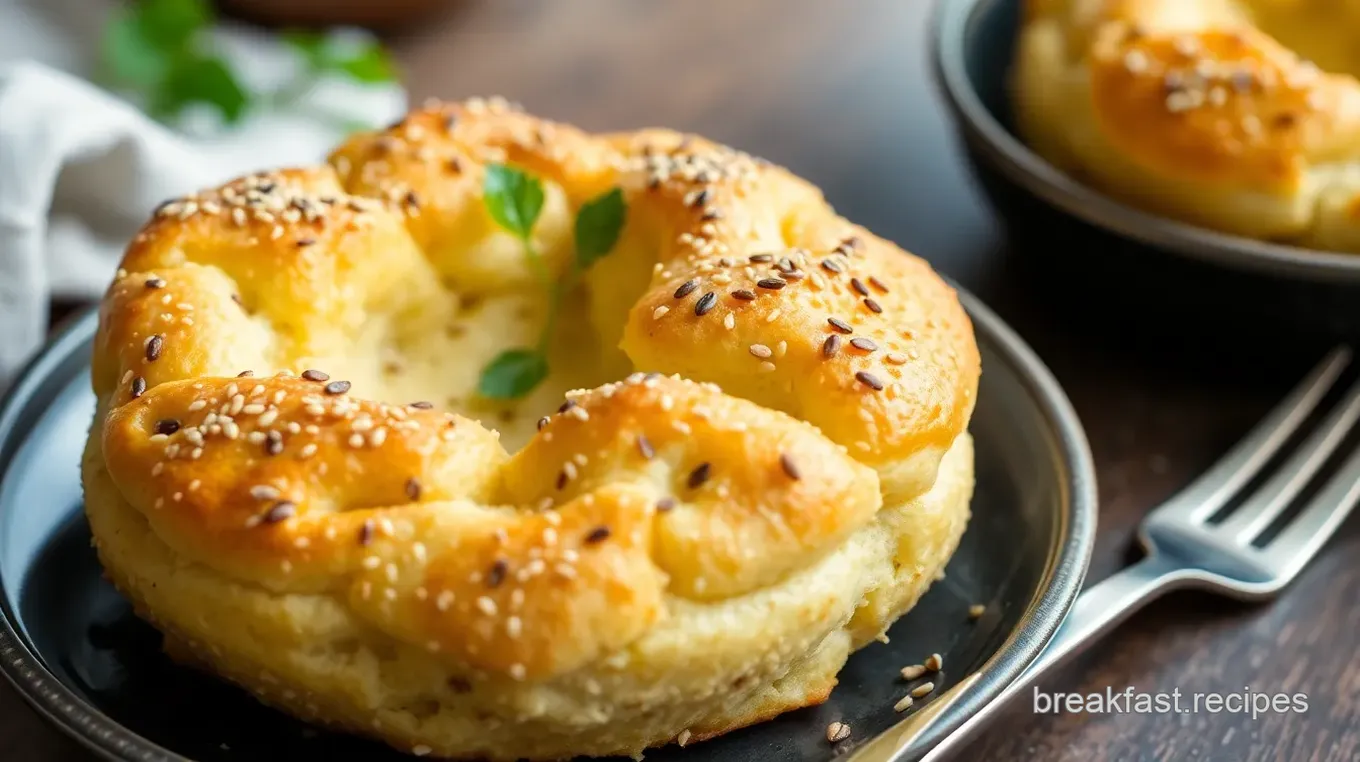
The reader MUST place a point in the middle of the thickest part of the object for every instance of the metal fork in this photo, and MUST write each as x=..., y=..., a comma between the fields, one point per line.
x=1186, y=549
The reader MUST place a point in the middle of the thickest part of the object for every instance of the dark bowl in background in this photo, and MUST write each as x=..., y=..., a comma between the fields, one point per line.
x=1128, y=274
x=376, y=15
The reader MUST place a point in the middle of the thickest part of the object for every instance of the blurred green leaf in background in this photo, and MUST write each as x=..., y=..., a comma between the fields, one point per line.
x=161, y=50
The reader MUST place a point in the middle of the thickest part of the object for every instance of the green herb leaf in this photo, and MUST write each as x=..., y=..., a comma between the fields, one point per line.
x=127, y=56
x=513, y=199
x=369, y=64
x=201, y=79
x=171, y=24
x=310, y=45
x=365, y=61
x=513, y=374
x=598, y=225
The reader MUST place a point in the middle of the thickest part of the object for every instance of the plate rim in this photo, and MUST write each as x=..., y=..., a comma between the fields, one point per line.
x=1069, y=552
x=1018, y=163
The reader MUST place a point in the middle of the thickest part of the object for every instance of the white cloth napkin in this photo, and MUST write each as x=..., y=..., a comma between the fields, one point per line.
x=81, y=170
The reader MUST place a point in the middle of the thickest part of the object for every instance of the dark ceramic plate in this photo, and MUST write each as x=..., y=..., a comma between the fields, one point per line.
x=73, y=648
x=1170, y=272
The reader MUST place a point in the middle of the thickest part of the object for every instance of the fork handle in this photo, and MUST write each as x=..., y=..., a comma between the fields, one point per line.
x=1097, y=610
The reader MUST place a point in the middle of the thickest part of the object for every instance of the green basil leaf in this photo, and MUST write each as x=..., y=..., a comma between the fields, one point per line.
x=202, y=79
x=171, y=24
x=513, y=374
x=370, y=64
x=128, y=58
x=598, y=225
x=513, y=199
x=310, y=45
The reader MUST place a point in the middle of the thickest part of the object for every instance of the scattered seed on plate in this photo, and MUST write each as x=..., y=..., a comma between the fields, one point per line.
x=976, y=611
x=912, y=672
x=904, y=704
x=922, y=690
x=934, y=663
x=837, y=732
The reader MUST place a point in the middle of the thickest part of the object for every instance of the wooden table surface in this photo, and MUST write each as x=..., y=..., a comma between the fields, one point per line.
x=841, y=93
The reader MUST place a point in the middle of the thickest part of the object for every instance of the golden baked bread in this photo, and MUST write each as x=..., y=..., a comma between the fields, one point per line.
x=1238, y=115
x=663, y=558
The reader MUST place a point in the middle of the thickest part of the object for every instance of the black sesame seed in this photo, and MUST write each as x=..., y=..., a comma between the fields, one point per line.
x=245, y=374
x=303, y=243
x=138, y=387
x=412, y=200
x=761, y=258
x=366, y=532
x=699, y=199
x=711, y=213
x=698, y=476
x=794, y=275
x=785, y=265
x=840, y=325
x=831, y=266
x=790, y=468
x=773, y=284
x=644, y=446
x=878, y=284
x=705, y=304
x=311, y=374
x=665, y=504
x=413, y=489
x=496, y=574
x=869, y=380
x=562, y=479
x=686, y=288
x=281, y=511
x=155, y=283
x=859, y=286
x=543, y=422
x=859, y=342
x=873, y=306
x=422, y=405
x=154, y=346
x=337, y=387
x=454, y=165
x=831, y=346
x=237, y=298
x=598, y=534
x=853, y=242
x=744, y=294
x=568, y=405
x=167, y=426
x=273, y=443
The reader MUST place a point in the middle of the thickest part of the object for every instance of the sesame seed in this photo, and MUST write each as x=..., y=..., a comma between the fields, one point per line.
x=421, y=750
x=155, y=283
x=660, y=312
x=312, y=374
x=273, y=444
x=760, y=350
x=760, y=258
x=837, y=732
x=698, y=476
x=683, y=738
x=665, y=504
x=831, y=266
x=644, y=446
x=264, y=492
x=281, y=511
x=976, y=611
x=543, y=422
x=922, y=690
x=873, y=306
x=154, y=346
x=934, y=663
x=705, y=304
x=790, y=468
x=869, y=380
x=773, y=284
x=743, y=294
x=840, y=325
x=486, y=605
x=598, y=534
x=686, y=288
x=831, y=346
x=859, y=342
x=903, y=704
x=138, y=386
x=859, y=286
x=913, y=671
x=496, y=574
x=337, y=387
x=422, y=405
x=167, y=426
x=413, y=489
x=729, y=321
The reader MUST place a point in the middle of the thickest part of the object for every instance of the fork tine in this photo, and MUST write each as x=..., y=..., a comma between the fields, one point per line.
x=1257, y=512
x=1296, y=544
x=1217, y=485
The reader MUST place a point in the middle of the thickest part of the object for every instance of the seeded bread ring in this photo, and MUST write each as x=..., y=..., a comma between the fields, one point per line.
x=761, y=463
x=1189, y=109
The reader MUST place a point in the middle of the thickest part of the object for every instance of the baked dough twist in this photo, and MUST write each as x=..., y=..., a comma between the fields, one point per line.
x=657, y=560
x=1191, y=109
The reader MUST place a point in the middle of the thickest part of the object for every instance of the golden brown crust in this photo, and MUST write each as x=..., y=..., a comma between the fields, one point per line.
x=794, y=482
x=1192, y=110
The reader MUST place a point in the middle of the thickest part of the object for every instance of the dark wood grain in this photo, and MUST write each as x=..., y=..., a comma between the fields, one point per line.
x=840, y=92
